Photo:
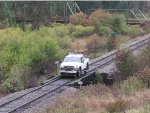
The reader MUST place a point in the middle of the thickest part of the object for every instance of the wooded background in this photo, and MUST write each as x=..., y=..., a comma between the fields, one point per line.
x=13, y=12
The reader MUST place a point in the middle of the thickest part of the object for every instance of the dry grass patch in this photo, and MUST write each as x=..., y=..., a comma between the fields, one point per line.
x=101, y=99
x=121, y=40
x=79, y=44
x=82, y=44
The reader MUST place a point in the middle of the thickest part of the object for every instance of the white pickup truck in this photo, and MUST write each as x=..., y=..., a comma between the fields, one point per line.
x=74, y=64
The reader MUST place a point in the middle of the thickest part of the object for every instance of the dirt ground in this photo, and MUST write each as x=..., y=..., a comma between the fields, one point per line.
x=2, y=93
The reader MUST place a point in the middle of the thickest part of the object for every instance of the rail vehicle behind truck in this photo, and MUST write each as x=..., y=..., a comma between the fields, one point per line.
x=74, y=65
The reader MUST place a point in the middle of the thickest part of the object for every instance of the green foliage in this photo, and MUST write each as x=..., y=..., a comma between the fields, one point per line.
x=118, y=23
x=71, y=28
x=29, y=51
x=61, y=30
x=97, y=78
x=12, y=84
x=111, y=41
x=64, y=42
x=132, y=31
x=81, y=31
x=103, y=31
x=132, y=84
x=125, y=64
x=8, y=17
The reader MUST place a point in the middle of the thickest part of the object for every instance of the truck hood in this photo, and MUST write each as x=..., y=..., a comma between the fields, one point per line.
x=75, y=64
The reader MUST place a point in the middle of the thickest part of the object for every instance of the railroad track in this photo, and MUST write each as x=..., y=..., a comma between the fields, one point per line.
x=54, y=85
x=111, y=57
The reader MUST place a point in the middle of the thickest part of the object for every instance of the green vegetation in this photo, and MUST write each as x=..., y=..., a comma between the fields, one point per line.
x=111, y=41
x=27, y=55
x=97, y=79
x=102, y=31
x=125, y=64
x=81, y=31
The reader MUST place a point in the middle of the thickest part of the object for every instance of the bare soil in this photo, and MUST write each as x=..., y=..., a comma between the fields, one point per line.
x=2, y=93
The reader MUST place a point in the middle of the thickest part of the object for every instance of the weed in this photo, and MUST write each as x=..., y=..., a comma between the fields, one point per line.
x=117, y=106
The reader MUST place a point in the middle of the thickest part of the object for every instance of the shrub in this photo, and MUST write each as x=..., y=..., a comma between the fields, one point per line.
x=103, y=31
x=12, y=84
x=25, y=56
x=81, y=31
x=144, y=76
x=132, y=84
x=118, y=23
x=142, y=61
x=61, y=31
x=71, y=28
x=97, y=78
x=99, y=17
x=77, y=19
x=111, y=41
x=64, y=42
x=118, y=105
x=133, y=31
x=125, y=64
x=94, y=44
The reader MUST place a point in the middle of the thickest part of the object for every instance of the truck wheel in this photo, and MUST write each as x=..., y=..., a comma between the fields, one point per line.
x=79, y=72
x=84, y=72
x=87, y=66
x=62, y=75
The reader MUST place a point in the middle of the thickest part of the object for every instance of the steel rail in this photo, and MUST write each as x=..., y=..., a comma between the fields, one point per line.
x=115, y=51
x=39, y=97
x=35, y=89
x=113, y=56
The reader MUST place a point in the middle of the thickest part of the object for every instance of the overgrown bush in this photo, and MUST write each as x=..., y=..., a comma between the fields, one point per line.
x=12, y=84
x=61, y=31
x=144, y=76
x=97, y=78
x=77, y=19
x=25, y=56
x=103, y=31
x=132, y=84
x=118, y=105
x=94, y=44
x=125, y=64
x=64, y=42
x=99, y=17
x=71, y=28
x=142, y=61
x=111, y=41
x=81, y=31
x=118, y=24
x=133, y=31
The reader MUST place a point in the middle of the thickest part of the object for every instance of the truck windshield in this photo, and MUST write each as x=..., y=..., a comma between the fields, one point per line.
x=72, y=59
